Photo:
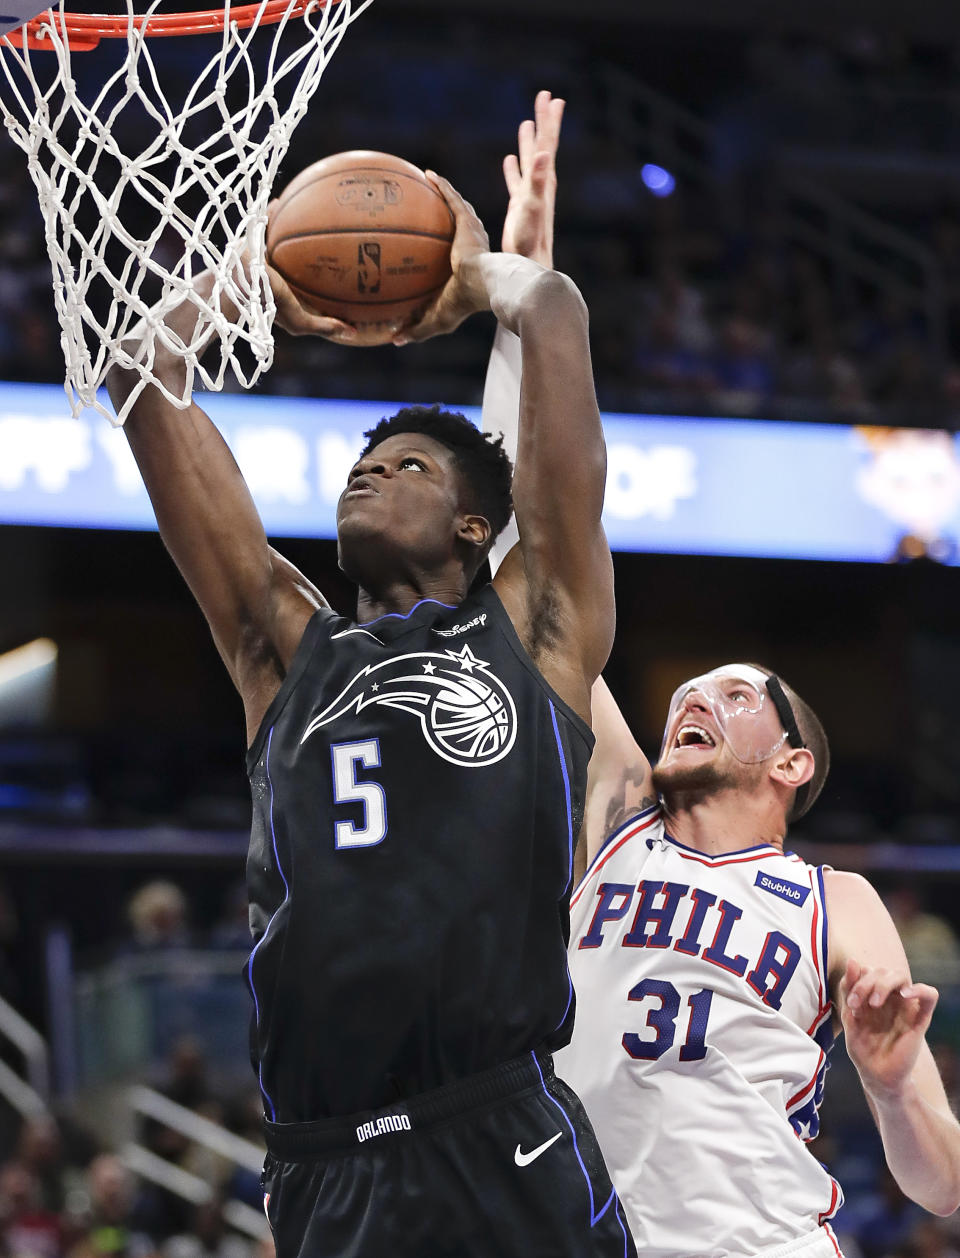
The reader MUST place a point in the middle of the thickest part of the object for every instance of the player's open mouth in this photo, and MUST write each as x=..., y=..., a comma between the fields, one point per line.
x=360, y=488
x=690, y=735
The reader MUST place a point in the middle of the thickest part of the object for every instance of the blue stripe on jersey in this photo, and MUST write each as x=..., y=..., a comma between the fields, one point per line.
x=566, y=795
x=286, y=887
x=407, y=615
x=823, y=932
x=595, y=1216
x=722, y=857
x=566, y=792
x=623, y=1227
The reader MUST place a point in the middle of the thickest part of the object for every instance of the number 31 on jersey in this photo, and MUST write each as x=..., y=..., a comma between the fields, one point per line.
x=662, y=1018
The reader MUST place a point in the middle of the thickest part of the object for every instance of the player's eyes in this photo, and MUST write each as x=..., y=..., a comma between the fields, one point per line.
x=410, y=461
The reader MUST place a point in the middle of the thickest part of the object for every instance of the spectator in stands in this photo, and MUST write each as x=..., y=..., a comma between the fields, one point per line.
x=111, y=1232
x=10, y=987
x=40, y=1150
x=885, y=1221
x=929, y=940
x=158, y=917
x=232, y=928
x=27, y=1229
x=661, y=361
x=929, y=1239
x=670, y=293
x=948, y=1063
x=743, y=364
x=187, y=1080
x=208, y=1236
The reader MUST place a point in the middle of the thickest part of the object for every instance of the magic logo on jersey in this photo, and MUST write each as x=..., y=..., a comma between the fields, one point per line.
x=466, y=713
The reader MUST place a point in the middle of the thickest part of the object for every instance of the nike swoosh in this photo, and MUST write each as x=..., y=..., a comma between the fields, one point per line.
x=524, y=1159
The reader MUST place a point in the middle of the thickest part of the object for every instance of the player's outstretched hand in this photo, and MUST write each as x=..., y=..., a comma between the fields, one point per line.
x=531, y=178
x=885, y=1018
x=464, y=292
x=297, y=319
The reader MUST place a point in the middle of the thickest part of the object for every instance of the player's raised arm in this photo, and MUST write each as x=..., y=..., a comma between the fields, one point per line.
x=561, y=595
x=885, y=1016
x=255, y=602
x=558, y=590
x=619, y=782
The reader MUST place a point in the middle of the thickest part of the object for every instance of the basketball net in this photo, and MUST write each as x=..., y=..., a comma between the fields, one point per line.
x=129, y=225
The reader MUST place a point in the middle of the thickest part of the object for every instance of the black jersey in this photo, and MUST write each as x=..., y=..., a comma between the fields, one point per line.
x=417, y=789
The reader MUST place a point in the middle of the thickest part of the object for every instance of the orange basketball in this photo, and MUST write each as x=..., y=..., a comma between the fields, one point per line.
x=363, y=237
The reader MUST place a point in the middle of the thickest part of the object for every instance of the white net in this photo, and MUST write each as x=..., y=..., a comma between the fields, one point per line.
x=166, y=172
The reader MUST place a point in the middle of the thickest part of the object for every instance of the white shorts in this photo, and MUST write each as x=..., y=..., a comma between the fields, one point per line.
x=818, y=1244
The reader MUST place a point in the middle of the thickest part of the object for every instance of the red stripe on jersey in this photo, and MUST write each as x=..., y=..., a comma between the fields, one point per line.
x=815, y=943
x=830, y=1211
x=822, y=1015
x=763, y=855
x=605, y=854
x=799, y=1096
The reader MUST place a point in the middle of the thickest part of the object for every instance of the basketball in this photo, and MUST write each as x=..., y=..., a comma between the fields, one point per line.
x=363, y=237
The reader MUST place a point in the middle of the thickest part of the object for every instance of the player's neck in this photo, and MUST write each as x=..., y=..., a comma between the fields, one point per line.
x=729, y=821
x=397, y=596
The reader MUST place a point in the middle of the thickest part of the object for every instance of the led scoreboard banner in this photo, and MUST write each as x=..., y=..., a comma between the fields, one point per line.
x=676, y=485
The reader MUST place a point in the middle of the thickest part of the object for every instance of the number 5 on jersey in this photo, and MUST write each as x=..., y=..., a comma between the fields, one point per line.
x=347, y=759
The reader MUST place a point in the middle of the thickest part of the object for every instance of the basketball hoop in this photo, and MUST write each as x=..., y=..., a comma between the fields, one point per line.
x=152, y=183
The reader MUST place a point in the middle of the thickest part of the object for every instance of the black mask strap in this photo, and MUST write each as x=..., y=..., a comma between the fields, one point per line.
x=794, y=738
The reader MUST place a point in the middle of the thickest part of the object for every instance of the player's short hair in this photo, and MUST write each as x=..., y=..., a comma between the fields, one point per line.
x=482, y=462
x=814, y=739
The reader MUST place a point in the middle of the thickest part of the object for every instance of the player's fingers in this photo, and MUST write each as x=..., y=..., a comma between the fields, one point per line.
x=850, y=976
x=875, y=986
x=549, y=120
x=540, y=172
x=925, y=996
x=322, y=325
x=541, y=109
x=511, y=174
x=458, y=204
x=526, y=143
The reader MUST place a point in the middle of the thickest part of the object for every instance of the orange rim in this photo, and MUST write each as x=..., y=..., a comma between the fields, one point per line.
x=84, y=31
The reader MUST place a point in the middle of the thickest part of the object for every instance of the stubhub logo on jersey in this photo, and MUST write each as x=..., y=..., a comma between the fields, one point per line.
x=788, y=891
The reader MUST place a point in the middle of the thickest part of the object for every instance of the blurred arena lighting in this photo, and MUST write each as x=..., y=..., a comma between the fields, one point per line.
x=659, y=181
x=27, y=677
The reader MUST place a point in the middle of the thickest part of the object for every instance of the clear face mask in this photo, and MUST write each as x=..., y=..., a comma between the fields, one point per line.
x=733, y=704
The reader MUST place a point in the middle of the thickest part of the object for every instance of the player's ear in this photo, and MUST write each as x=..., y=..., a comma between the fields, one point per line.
x=475, y=530
x=793, y=767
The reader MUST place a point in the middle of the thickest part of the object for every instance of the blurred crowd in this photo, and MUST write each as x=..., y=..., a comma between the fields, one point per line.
x=701, y=298
x=67, y=1189
x=60, y=1198
x=702, y=302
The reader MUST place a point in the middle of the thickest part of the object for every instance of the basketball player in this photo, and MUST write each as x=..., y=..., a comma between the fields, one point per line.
x=418, y=778
x=713, y=970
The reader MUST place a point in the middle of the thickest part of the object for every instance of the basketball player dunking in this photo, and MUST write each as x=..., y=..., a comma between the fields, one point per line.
x=713, y=970
x=418, y=780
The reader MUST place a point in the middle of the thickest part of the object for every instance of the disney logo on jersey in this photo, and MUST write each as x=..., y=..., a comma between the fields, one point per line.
x=466, y=713
x=455, y=630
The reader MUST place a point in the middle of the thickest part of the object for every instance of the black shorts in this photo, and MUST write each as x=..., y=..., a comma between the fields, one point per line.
x=500, y=1164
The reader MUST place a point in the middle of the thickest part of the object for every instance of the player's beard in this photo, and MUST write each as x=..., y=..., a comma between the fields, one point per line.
x=694, y=782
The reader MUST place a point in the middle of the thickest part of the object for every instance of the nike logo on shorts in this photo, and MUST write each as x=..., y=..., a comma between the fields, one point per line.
x=524, y=1159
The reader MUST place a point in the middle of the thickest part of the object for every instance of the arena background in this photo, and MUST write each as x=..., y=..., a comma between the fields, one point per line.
x=762, y=208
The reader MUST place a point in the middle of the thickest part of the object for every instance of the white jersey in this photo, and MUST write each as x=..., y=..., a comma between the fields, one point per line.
x=701, y=1038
